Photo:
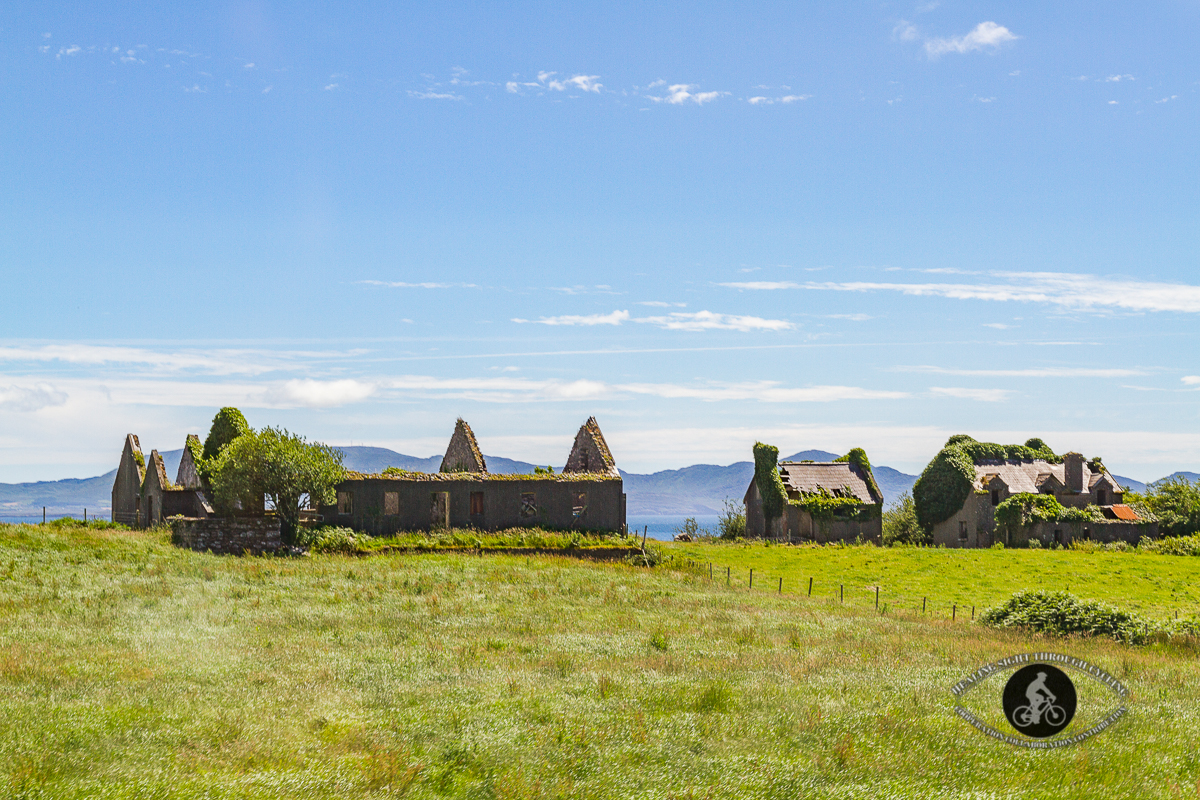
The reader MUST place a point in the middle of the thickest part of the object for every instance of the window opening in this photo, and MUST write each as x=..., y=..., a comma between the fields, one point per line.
x=476, y=504
x=528, y=505
x=579, y=505
x=345, y=502
x=391, y=503
x=995, y=497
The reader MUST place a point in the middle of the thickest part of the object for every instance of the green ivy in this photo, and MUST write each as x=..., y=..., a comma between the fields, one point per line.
x=824, y=505
x=770, y=485
x=858, y=457
x=947, y=481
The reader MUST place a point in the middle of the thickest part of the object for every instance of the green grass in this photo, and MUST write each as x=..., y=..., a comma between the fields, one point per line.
x=1153, y=585
x=129, y=668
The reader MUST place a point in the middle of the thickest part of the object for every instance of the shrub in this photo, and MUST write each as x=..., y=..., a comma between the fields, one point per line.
x=1033, y=544
x=328, y=539
x=1063, y=614
x=658, y=640
x=1172, y=546
x=690, y=528
x=900, y=525
x=227, y=425
x=1175, y=501
x=731, y=524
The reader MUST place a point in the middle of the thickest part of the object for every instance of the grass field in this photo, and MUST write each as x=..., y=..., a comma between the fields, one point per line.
x=132, y=669
x=1154, y=585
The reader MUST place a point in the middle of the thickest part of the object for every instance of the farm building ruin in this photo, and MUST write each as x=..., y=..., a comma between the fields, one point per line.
x=827, y=501
x=586, y=495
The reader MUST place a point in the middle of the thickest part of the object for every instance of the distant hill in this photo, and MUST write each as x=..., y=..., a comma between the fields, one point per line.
x=696, y=490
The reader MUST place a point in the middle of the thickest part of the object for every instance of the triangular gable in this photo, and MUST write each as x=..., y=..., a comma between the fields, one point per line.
x=156, y=474
x=132, y=458
x=1048, y=482
x=463, y=454
x=188, y=476
x=590, y=452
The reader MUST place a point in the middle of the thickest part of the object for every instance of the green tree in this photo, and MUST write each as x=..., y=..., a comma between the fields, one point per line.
x=227, y=425
x=731, y=524
x=900, y=525
x=1176, y=503
x=286, y=469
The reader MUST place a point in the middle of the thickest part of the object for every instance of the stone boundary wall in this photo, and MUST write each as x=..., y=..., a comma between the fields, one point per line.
x=227, y=535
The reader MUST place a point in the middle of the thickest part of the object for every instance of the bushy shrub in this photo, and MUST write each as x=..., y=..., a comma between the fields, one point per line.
x=227, y=425
x=1033, y=544
x=1171, y=546
x=731, y=524
x=1175, y=502
x=1063, y=614
x=1027, y=508
x=328, y=539
x=900, y=525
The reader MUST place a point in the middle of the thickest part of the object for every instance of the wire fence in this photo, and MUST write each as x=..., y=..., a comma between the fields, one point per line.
x=883, y=601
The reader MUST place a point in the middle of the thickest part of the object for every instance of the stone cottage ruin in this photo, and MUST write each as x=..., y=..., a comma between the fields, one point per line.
x=143, y=495
x=1090, y=495
x=826, y=501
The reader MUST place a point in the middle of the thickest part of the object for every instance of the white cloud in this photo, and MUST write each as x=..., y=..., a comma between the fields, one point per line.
x=680, y=93
x=249, y=66
x=983, y=395
x=308, y=393
x=615, y=318
x=30, y=398
x=422, y=285
x=585, y=83
x=433, y=95
x=68, y=51
x=762, y=391
x=660, y=304
x=331, y=86
x=1034, y=372
x=1168, y=99
x=213, y=361
x=1000, y=326
x=1191, y=380
x=1119, y=78
x=1077, y=292
x=985, y=35
x=905, y=31
x=268, y=89
x=770, y=101
x=513, y=87
x=851, y=317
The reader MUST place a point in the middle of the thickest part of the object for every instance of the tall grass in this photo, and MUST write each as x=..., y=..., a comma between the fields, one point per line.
x=131, y=669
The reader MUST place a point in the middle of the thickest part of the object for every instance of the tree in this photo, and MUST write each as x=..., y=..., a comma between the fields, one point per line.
x=900, y=525
x=227, y=425
x=290, y=472
x=1176, y=503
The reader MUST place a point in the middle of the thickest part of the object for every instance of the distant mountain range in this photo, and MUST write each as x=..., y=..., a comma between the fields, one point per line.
x=696, y=490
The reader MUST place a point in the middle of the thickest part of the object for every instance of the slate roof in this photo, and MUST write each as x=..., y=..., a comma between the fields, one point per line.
x=835, y=477
x=1028, y=476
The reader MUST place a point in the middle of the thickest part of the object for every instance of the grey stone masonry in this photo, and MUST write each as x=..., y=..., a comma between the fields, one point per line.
x=463, y=454
x=227, y=536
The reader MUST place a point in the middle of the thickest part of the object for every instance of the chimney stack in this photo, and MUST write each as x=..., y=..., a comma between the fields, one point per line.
x=1073, y=463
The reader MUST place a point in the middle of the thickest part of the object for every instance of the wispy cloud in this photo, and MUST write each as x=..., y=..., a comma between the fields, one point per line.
x=1033, y=372
x=420, y=285
x=308, y=393
x=660, y=304
x=1118, y=78
x=599, y=288
x=615, y=318
x=1077, y=292
x=1191, y=380
x=583, y=83
x=982, y=395
x=984, y=36
x=30, y=398
x=434, y=95
x=770, y=101
x=711, y=321
x=220, y=362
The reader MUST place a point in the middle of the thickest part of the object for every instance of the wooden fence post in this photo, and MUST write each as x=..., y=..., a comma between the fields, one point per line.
x=751, y=579
x=954, y=613
x=810, y=587
x=923, y=599
x=727, y=576
x=876, y=598
x=781, y=592
x=841, y=592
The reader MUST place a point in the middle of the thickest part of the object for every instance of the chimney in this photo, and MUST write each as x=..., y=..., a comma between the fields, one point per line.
x=1073, y=463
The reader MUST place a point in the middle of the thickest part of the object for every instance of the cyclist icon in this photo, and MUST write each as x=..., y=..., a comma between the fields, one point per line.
x=1041, y=701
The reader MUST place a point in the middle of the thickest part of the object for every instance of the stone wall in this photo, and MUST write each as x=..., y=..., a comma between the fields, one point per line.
x=1052, y=533
x=227, y=535
x=802, y=527
x=383, y=506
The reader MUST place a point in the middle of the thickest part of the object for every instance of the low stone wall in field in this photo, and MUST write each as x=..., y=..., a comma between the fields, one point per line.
x=227, y=536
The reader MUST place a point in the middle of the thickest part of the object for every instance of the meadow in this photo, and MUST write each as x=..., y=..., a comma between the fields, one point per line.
x=1153, y=585
x=130, y=668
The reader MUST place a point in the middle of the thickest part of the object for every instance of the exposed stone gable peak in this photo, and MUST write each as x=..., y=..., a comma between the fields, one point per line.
x=590, y=452
x=463, y=453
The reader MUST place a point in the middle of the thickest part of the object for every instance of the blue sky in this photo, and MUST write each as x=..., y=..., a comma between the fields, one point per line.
x=874, y=225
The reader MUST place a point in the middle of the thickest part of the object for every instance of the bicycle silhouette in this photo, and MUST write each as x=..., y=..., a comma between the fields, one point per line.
x=1026, y=716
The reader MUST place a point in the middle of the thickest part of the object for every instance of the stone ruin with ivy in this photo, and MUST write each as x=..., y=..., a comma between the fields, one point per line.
x=979, y=494
x=813, y=501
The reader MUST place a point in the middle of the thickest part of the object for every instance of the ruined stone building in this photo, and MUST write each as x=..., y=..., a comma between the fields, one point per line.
x=143, y=495
x=808, y=515
x=586, y=495
x=1075, y=483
